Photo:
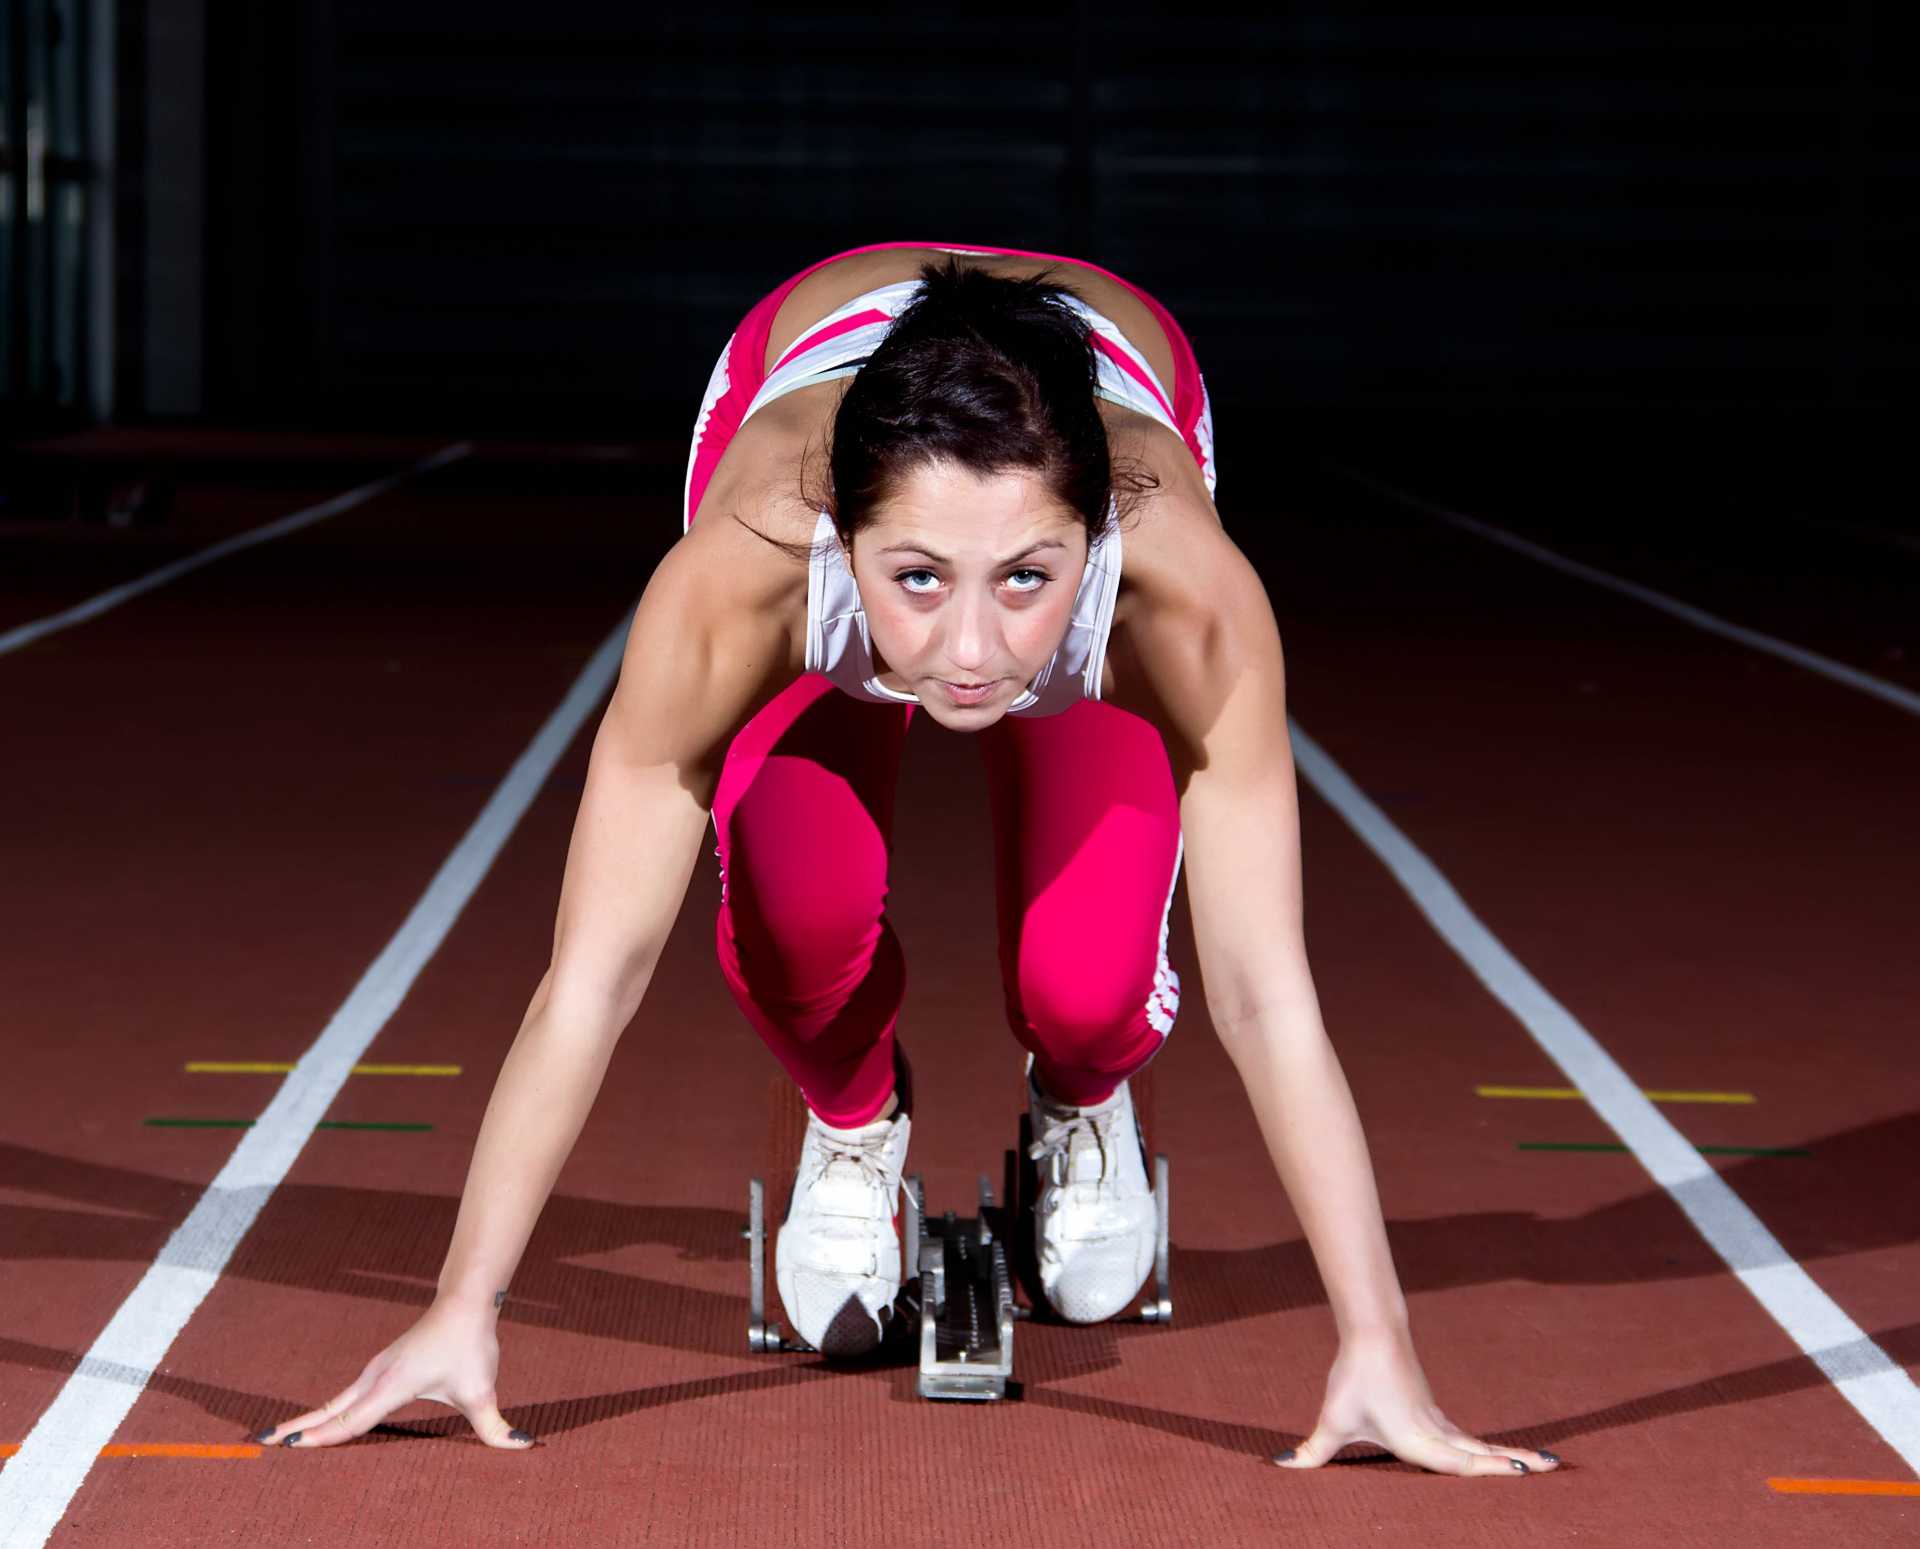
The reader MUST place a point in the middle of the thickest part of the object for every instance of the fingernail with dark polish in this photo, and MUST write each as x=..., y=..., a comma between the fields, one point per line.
x=261, y=1435
x=517, y=1434
x=1552, y=1457
x=1519, y=1467
x=1284, y=1457
x=290, y=1440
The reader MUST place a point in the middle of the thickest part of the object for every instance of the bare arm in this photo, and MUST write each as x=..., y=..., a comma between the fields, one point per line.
x=1207, y=654
x=685, y=683
x=709, y=645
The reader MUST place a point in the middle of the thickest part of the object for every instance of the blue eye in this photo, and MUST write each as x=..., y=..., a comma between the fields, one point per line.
x=910, y=581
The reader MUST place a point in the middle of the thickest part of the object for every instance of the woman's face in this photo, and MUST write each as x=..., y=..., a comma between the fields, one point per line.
x=968, y=581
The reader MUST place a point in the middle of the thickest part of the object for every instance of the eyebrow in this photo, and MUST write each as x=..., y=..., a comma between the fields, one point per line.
x=941, y=559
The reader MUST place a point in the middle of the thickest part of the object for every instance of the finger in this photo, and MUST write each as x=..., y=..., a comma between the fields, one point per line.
x=492, y=1428
x=356, y=1419
x=1536, y=1461
x=1440, y=1455
x=274, y=1434
x=1315, y=1450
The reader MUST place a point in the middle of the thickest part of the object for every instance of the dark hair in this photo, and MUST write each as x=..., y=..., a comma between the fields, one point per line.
x=986, y=372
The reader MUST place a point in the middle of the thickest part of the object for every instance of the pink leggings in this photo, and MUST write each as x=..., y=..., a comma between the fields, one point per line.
x=1086, y=830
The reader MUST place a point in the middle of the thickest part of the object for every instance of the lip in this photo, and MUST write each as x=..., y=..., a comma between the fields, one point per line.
x=968, y=694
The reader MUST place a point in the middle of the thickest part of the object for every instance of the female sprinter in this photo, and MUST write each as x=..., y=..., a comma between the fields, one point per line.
x=913, y=481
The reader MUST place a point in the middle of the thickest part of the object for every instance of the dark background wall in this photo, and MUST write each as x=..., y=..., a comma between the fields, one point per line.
x=550, y=215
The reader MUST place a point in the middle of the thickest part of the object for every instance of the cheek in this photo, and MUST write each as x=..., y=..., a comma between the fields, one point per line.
x=894, y=623
x=1035, y=632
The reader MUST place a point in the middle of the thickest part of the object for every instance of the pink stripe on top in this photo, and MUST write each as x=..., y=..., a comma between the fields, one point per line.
x=1127, y=364
x=831, y=331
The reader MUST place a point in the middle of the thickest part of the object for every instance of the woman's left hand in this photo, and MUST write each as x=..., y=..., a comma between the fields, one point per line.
x=1377, y=1393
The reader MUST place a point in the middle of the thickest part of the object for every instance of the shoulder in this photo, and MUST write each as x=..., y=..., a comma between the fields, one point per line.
x=832, y=286
x=719, y=632
x=1192, y=624
x=738, y=577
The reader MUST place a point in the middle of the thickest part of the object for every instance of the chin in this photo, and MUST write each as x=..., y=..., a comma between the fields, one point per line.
x=964, y=718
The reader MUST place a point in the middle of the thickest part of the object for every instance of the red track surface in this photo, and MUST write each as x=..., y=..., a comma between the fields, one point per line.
x=222, y=798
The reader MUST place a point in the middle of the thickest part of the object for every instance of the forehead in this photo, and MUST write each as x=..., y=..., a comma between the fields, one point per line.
x=956, y=512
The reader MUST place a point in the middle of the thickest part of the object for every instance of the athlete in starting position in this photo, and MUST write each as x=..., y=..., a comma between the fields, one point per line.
x=912, y=482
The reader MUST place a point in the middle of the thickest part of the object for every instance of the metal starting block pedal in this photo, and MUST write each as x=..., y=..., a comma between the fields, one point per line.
x=763, y=1334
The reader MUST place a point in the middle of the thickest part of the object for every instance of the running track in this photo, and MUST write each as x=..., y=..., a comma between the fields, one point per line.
x=224, y=797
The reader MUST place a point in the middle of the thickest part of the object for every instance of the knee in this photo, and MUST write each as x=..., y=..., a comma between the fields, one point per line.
x=1083, y=1018
x=799, y=948
x=804, y=887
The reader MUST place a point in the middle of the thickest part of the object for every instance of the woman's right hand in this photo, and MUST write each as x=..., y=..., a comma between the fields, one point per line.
x=451, y=1356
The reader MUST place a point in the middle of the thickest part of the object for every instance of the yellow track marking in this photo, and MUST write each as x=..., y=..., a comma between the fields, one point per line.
x=1573, y=1094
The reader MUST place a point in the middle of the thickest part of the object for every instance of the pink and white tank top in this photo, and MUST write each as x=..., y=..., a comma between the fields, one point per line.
x=838, y=643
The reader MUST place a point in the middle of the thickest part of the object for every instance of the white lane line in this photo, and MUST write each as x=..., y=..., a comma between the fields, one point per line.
x=1892, y=693
x=1866, y=1376
x=1861, y=532
x=37, y=1483
x=93, y=607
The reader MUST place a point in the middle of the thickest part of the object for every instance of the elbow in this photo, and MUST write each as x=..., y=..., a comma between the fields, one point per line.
x=597, y=1000
x=1257, y=1008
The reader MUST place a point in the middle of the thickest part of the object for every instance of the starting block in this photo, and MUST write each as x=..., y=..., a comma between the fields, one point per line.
x=961, y=1274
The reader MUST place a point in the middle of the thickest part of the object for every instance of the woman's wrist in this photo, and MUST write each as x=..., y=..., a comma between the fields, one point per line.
x=471, y=1299
x=1373, y=1319
x=1386, y=1325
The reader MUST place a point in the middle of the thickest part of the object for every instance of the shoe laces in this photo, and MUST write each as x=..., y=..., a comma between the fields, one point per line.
x=863, y=1160
x=1065, y=1136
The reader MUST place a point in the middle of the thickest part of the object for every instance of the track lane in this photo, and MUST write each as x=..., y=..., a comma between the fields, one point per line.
x=1707, y=855
x=626, y=1336
x=62, y=575
x=1588, y=1317
x=161, y=909
x=1796, y=538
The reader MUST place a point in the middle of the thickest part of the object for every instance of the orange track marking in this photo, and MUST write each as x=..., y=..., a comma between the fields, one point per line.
x=1846, y=1486
x=163, y=1449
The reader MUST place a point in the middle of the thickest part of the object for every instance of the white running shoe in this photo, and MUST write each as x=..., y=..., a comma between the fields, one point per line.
x=837, y=1258
x=1096, y=1224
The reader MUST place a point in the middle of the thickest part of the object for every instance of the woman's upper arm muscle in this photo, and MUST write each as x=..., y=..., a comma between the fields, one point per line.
x=710, y=643
x=1204, y=652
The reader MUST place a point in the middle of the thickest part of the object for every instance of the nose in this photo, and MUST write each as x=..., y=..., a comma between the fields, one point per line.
x=973, y=633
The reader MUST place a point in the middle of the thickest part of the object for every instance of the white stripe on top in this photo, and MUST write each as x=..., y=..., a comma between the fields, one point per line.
x=842, y=355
